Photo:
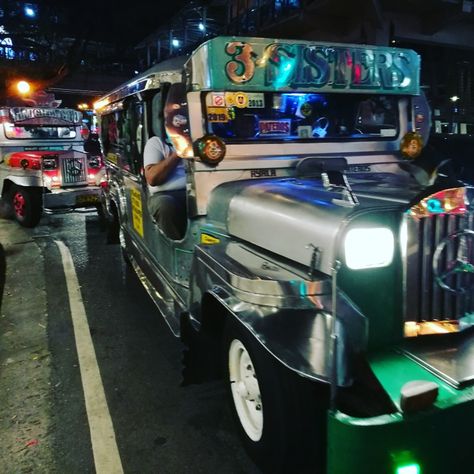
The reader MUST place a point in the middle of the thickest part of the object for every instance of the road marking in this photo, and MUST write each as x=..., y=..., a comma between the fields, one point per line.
x=104, y=445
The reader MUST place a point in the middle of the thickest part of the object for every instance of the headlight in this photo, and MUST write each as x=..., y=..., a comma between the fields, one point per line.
x=369, y=248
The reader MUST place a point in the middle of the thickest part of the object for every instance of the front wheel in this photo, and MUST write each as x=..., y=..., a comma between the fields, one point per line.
x=26, y=205
x=280, y=416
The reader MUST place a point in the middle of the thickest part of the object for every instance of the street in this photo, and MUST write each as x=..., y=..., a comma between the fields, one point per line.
x=159, y=425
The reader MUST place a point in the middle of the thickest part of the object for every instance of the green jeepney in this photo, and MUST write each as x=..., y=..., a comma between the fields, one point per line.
x=327, y=268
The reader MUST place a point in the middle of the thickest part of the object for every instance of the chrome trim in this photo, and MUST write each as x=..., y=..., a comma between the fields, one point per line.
x=73, y=170
x=425, y=300
x=288, y=314
x=163, y=294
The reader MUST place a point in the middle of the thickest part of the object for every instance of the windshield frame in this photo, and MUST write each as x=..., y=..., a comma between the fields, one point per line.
x=284, y=124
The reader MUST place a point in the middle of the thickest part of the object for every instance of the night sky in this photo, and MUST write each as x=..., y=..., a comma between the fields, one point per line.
x=118, y=22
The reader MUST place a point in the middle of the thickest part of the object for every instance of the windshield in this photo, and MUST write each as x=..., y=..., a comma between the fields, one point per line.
x=38, y=132
x=281, y=116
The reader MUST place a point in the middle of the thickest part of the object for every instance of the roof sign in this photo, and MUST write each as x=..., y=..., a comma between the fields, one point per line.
x=263, y=64
x=35, y=115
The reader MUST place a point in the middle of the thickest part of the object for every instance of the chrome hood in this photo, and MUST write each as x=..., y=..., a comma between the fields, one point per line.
x=291, y=217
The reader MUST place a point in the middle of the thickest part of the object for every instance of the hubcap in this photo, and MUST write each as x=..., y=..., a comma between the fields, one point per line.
x=19, y=204
x=245, y=390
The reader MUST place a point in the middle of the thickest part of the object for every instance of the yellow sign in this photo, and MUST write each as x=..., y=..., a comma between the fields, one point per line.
x=112, y=157
x=137, y=211
x=209, y=239
x=217, y=114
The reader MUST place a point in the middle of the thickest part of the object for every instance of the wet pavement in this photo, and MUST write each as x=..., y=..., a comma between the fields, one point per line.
x=160, y=426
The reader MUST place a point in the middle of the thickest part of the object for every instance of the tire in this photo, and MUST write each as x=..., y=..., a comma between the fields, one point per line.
x=101, y=218
x=27, y=205
x=281, y=417
x=113, y=227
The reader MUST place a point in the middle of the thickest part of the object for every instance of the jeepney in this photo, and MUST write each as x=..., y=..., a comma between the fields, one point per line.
x=327, y=269
x=43, y=165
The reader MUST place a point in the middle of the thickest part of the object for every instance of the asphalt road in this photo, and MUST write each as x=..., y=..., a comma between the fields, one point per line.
x=160, y=426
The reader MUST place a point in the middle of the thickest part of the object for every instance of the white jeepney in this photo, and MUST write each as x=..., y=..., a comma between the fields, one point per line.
x=43, y=165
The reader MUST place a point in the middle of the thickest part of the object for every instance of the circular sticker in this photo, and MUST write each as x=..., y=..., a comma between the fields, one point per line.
x=411, y=145
x=241, y=100
x=306, y=109
x=210, y=149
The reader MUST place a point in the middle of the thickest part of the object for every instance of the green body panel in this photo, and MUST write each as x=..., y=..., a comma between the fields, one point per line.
x=378, y=292
x=393, y=370
x=376, y=445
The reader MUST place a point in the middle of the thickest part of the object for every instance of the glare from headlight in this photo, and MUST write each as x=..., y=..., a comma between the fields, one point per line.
x=369, y=248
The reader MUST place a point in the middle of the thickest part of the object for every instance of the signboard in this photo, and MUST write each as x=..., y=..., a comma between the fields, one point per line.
x=259, y=64
x=40, y=115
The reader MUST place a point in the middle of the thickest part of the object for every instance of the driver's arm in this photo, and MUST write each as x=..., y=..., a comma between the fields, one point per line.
x=157, y=173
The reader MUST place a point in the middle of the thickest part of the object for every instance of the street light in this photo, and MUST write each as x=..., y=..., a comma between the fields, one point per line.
x=23, y=87
x=454, y=98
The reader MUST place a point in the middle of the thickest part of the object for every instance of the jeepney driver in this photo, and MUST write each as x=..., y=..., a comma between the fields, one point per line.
x=166, y=181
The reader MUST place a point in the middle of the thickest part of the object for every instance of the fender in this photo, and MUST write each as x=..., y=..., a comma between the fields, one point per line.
x=33, y=180
x=288, y=314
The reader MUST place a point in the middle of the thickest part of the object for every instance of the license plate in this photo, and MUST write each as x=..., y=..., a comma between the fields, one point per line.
x=87, y=199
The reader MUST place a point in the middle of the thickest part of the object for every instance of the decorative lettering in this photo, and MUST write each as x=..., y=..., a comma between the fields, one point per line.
x=263, y=173
x=301, y=65
x=274, y=127
x=22, y=114
x=242, y=67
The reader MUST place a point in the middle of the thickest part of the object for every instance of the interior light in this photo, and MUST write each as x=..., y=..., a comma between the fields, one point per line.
x=369, y=248
x=413, y=468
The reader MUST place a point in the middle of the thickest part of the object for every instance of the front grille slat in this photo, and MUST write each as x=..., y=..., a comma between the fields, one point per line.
x=73, y=170
x=425, y=299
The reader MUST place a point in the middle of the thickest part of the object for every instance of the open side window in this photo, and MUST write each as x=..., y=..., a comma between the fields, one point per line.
x=176, y=120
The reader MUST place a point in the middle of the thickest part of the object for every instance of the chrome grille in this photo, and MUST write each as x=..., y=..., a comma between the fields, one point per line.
x=73, y=170
x=425, y=299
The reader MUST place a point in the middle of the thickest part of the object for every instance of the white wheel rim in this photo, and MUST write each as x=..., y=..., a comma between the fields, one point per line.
x=245, y=390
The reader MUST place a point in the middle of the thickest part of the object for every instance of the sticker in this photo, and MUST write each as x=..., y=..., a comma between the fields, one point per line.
x=275, y=127
x=112, y=157
x=179, y=121
x=218, y=100
x=137, y=211
x=208, y=239
x=304, y=131
x=256, y=100
x=411, y=145
x=306, y=109
x=217, y=114
x=43, y=148
x=241, y=100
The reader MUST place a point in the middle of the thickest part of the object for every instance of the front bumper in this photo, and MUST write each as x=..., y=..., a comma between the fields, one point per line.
x=72, y=198
x=438, y=439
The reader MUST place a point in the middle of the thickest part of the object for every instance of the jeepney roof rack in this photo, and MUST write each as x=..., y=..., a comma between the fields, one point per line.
x=169, y=70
